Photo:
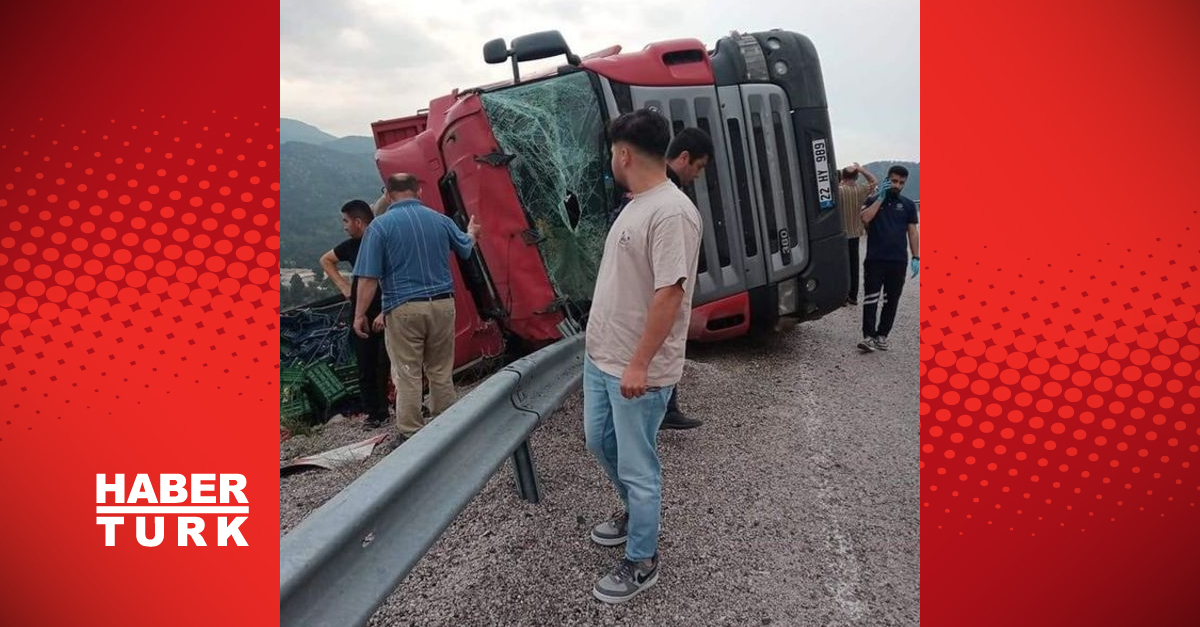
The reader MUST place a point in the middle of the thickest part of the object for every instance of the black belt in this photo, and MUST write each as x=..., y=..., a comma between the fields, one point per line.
x=435, y=297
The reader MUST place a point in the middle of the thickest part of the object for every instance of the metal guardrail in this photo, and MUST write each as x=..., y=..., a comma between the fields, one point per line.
x=339, y=564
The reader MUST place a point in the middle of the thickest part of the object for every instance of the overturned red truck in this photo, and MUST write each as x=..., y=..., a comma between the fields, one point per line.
x=530, y=159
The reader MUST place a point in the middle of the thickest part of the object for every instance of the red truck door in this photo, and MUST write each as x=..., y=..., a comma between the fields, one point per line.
x=474, y=338
x=476, y=173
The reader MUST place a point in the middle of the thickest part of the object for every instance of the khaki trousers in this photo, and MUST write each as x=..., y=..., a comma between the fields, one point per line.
x=420, y=340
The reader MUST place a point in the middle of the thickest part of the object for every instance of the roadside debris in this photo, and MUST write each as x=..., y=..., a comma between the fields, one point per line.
x=339, y=457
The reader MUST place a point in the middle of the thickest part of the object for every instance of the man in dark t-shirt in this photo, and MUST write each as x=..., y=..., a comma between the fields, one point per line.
x=374, y=369
x=890, y=219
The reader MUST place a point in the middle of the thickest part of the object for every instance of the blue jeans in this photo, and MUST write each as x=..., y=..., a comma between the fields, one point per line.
x=621, y=434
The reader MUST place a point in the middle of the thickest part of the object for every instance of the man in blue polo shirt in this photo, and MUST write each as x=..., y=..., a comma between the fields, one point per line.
x=889, y=218
x=406, y=252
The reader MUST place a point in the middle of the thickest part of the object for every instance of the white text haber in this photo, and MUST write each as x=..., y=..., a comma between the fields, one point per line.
x=209, y=495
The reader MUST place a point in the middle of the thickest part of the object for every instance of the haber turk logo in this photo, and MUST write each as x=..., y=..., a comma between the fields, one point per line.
x=192, y=501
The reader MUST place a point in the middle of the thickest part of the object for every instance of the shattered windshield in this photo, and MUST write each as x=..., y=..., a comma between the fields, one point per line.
x=561, y=172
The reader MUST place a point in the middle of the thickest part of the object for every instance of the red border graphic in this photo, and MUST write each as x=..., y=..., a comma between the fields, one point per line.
x=1060, y=441
x=139, y=302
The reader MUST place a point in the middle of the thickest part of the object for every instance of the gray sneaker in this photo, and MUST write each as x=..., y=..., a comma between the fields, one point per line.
x=867, y=345
x=881, y=342
x=627, y=580
x=612, y=532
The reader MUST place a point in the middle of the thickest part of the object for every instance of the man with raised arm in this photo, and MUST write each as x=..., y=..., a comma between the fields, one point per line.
x=851, y=194
x=374, y=370
x=406, y=252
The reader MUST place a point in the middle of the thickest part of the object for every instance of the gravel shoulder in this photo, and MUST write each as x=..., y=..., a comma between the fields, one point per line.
x=795, y=504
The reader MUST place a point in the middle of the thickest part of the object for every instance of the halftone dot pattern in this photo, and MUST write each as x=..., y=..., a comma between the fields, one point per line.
x=123, y=263
x=1061, y=398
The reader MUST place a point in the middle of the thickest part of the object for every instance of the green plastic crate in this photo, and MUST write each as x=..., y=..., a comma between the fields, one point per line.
x=290, y=376
x=347, y=374
x=295, y=410
x=324, y=385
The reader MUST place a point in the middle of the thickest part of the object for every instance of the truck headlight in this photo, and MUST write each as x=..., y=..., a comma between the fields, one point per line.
x=788, y=297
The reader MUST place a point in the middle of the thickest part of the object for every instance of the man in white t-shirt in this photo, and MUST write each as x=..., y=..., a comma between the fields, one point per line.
x=636, y=337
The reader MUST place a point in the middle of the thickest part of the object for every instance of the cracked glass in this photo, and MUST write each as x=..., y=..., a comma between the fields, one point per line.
x=561, y=172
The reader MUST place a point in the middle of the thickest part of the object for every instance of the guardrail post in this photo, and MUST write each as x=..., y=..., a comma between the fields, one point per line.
x=527, y=481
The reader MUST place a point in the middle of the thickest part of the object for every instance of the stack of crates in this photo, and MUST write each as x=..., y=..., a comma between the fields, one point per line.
x=310, y=392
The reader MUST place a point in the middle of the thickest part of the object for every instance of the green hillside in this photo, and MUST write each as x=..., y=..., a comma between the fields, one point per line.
x=296, y=131
x=354, y=144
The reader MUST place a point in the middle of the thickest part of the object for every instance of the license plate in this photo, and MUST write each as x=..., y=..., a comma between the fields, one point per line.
x=824, y=183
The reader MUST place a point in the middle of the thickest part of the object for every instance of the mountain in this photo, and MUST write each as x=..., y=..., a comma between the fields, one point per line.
x=912, y=187
x=297, y=131
x=318, y=174
x=354, y=144
x=315, y=181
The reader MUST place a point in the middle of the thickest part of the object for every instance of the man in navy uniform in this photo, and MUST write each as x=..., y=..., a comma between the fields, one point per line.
x=890, y=219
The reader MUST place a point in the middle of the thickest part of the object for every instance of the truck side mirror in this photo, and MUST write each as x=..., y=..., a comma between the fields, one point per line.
x=530, y=47
x=495, y=51
x=541, y=45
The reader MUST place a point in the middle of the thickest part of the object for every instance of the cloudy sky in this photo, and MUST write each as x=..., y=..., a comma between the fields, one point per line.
x=346, y=63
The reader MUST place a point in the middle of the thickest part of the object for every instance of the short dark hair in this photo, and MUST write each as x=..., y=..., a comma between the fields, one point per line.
x=358, y=209
x=403, y=183
x=696, y=142
x=646, y=130
x=898, y=169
